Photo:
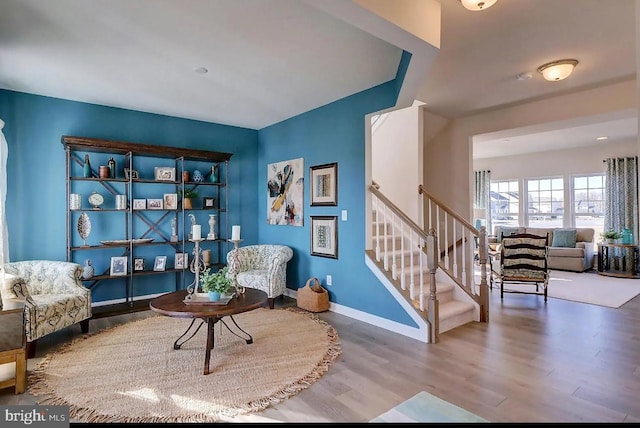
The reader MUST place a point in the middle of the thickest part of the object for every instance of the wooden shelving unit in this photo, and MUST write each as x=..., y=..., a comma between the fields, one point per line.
x=135, y=224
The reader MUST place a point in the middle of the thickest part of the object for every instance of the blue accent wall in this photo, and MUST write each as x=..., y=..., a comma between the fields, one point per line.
x=36, y=205
x=332, y=133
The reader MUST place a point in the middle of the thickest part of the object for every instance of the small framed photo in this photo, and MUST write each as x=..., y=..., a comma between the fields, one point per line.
x=154, y=204
x=208, y=203
x=324, y=236
x=131, y=174
x=160, y=264
x=181, y=261
x=138, y=264
x=118, y=266
x=170, y=201
x=163, y=173
x=324, y=184
x=139, y=204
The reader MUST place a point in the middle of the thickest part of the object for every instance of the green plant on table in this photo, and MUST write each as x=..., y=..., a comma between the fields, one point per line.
x=216, y=281
x=611, y=234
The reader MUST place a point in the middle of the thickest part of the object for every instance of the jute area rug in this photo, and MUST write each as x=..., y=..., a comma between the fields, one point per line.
x=131, y=373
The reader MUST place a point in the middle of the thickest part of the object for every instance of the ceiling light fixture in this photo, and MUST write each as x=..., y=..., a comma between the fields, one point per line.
x=557, y=70
x=478, y=4
x=602, y=138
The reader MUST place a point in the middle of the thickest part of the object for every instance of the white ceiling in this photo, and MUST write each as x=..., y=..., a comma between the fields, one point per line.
x=269, y=60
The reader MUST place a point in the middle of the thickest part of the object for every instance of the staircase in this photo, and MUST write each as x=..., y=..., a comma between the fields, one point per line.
x=437, y=280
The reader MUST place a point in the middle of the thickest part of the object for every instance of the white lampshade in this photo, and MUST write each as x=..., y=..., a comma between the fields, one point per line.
x=557, y=70
x=479, y=213
x=478, y=4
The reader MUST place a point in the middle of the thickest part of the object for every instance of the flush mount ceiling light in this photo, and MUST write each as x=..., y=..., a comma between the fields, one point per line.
x=478, y=4
x=557, y=70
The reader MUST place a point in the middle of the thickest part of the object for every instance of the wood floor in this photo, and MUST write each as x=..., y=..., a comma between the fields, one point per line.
x=533, y=362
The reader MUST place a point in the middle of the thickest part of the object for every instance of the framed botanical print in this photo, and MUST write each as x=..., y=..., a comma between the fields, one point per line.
x=324, y=236
x=324, y=184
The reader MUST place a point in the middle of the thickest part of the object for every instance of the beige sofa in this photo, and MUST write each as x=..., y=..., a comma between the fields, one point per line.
x=577, y=259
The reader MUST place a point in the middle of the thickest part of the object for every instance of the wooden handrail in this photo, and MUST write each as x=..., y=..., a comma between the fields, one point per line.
x=397, y=211
x=444, y=208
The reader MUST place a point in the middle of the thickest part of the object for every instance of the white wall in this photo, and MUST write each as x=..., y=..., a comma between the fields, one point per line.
x=448, y=154
x=395, y=165
x=584, y=160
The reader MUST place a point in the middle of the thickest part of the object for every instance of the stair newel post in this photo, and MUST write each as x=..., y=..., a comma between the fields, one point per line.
x=484, y=288
x=432, y=305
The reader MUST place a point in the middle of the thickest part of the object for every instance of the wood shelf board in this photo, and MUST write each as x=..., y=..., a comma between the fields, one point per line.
x=122, y=147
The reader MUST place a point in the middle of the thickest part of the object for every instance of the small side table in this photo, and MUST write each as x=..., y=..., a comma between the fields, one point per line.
x=13, y=343
x=620, y=260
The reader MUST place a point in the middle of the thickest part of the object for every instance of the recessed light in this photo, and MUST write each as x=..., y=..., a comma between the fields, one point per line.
x=602, y=138
x=200, y=70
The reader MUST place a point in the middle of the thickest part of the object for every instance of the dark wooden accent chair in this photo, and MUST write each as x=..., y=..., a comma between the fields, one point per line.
x=523, y=261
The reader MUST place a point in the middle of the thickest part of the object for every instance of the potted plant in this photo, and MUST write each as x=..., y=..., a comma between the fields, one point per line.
x=611, y=235
x=215, y=283
x=187, y=196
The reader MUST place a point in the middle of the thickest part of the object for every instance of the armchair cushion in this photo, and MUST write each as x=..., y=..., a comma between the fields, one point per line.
x=262, y=266
x=53, y=293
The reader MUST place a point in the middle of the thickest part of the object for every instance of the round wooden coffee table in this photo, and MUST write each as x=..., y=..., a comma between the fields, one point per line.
x=173, y=305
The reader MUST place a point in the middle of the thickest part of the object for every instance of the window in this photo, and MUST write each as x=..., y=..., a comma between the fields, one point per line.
x=505, y=203
x=545, y=202
x=588, y=202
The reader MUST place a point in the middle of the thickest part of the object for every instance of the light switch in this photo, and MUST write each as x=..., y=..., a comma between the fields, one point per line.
x=344, y=215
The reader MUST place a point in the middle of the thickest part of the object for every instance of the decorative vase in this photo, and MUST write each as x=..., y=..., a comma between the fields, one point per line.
x=627, y=236
x=112, y=168
x=214, y=296
x=212, y=224
x=187, y=203
x=88, y=271
x=197, y=176
x=87, y=166
x=84, y=227
x=214, y=174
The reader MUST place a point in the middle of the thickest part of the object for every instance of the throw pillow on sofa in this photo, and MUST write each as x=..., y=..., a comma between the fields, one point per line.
x=564, y=238
x=506, y=231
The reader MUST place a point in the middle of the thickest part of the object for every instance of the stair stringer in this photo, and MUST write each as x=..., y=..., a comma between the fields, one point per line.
x=421, y=332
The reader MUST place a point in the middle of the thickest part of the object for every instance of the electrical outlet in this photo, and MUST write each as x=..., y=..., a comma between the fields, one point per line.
x=344, y=215
x=328, y=279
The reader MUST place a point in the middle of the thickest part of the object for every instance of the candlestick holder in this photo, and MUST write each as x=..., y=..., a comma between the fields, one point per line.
x=236, y=242
x=196, y=266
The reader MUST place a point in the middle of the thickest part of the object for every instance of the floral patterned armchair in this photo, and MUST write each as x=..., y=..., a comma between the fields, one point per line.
x=261, y=266
x=53, y=293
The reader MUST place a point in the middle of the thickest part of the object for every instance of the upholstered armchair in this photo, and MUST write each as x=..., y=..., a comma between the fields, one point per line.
x=261, y=266
x=53, y=293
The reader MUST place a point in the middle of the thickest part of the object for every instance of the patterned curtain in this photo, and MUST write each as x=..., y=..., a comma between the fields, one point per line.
x=482, y=195
x=621, y=195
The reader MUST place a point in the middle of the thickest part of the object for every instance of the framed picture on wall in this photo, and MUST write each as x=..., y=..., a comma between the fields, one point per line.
x=324, y=236
x=324, y=184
